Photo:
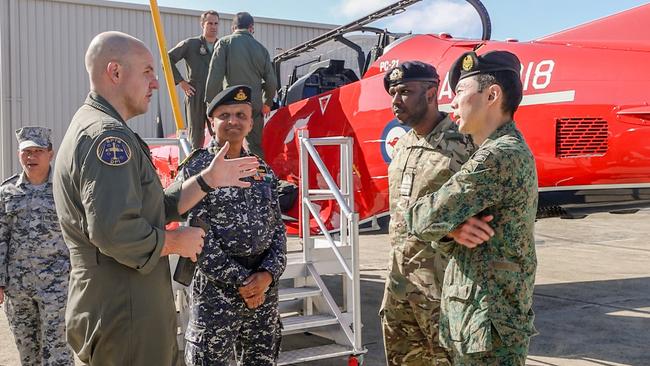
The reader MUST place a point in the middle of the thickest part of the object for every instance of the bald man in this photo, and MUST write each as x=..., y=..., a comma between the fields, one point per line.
x=113, y=210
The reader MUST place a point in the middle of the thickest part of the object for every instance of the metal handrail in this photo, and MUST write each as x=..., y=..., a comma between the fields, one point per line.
x=349, y=227
x=329, y=238
x=345, y=209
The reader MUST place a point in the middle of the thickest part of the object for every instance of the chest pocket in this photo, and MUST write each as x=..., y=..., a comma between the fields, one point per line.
x=260, y=205
x=48, y=212
x=433, y=171
x=16, y=208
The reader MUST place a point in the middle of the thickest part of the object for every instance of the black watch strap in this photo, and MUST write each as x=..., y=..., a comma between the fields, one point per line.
x=203, y=184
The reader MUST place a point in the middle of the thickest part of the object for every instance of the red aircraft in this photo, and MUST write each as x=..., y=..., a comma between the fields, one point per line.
x=585, y=111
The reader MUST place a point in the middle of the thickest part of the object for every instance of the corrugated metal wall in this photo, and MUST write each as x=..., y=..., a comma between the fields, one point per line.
x=42, y=44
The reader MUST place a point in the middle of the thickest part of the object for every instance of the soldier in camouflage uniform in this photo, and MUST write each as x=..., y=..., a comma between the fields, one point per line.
x=424, y=158
x=487, y=316
x=34, y=261
x=234, y=292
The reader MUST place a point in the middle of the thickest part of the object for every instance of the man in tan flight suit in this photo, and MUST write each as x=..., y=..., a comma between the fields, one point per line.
x=113, y=210
x=240, y=59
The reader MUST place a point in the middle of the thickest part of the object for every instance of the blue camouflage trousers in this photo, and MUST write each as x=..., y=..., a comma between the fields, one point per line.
x=37, y=321
x=222, y=328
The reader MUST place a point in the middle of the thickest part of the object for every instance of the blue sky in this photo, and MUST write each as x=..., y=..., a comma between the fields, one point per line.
x=520, y=19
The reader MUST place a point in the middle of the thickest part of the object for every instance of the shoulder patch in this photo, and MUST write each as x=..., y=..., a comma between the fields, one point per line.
x=481, y=155
x=8, y=179
x=194, y=153
x=113, y=151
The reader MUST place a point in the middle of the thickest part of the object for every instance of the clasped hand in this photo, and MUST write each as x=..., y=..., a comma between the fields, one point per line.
x=254, y=289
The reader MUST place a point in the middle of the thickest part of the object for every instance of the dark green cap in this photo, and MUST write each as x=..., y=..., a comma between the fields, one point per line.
x=470, y=64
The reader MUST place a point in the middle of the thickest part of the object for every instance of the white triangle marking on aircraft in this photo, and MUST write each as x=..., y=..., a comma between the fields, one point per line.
x=324, y=101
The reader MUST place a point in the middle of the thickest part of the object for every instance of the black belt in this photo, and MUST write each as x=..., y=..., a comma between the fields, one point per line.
x=250, y=262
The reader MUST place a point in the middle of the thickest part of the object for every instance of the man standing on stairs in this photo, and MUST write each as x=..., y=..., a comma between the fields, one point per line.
x=234, y=292
x=197, y=52
x=424, y=158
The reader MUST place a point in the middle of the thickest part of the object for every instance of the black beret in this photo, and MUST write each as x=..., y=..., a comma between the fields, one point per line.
x=470, y=64
x=410, y=71
x=237, y=94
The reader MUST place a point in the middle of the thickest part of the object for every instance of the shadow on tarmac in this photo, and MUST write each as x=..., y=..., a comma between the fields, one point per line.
x=599, y=321
x=608, y=321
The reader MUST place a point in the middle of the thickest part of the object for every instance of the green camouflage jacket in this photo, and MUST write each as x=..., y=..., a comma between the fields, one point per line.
x=491, y=285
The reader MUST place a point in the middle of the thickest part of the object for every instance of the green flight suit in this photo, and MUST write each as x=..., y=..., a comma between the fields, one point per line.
x=197, y=54
x=112, y=210
x=240, y=59
x=411, y=305
x=487, y=294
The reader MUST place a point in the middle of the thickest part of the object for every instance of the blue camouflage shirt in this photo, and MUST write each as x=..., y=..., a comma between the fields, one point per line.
x=244, y=222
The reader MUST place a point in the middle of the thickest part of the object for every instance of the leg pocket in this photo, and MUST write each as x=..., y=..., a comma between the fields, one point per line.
x=194, y=350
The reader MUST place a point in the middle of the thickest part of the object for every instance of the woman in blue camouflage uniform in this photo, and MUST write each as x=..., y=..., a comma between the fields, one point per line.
x=234, y=293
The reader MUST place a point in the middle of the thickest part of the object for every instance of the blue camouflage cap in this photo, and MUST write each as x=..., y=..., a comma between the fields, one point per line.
x=32, y=136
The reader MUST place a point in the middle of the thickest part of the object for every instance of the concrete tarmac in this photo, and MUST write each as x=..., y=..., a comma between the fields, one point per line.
x=592, y=294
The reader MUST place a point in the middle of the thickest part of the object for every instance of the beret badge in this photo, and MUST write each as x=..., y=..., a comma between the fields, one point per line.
x=468, y=63
x=395, y=75
x=240, y=95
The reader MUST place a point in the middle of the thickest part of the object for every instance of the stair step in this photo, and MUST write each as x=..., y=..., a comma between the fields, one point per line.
x=313, y=353
x=298, y=292
x=294, y=324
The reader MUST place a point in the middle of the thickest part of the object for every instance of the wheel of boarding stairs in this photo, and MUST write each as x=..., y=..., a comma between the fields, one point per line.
x=355, y=360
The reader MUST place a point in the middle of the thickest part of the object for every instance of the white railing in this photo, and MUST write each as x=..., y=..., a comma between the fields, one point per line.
x=343, y=194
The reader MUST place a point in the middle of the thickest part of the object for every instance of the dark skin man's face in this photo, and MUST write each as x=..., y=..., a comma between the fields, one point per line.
x=409, y=102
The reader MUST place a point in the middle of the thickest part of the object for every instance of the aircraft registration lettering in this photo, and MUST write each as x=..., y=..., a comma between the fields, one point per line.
x=536, y=75
x=389, y=64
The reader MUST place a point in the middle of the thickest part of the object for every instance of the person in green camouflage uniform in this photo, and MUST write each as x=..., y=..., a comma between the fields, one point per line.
x=424, y=158
x=487, y=316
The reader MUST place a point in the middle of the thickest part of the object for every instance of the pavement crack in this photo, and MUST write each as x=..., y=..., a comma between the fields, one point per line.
x=575, y=241
x=592, y=303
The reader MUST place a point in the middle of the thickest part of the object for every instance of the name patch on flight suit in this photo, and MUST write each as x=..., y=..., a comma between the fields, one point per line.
x=113, y=151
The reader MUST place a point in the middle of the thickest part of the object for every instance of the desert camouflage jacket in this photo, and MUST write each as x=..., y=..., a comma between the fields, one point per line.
x=420, y=165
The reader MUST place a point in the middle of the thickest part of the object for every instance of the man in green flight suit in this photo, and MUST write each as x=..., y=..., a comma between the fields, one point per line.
x=487, y=316
x=424, y=158
x=113, y=210
x=197, y=52
x=240, y=59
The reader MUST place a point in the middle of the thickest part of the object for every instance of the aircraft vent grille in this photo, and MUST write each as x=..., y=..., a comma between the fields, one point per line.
x=581, y=137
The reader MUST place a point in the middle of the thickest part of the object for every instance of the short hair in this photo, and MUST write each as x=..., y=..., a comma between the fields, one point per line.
x=204, y=16
x=242, y=20
x=510, y=86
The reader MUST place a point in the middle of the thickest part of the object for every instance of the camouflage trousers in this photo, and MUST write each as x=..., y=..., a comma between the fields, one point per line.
x=500, y=355
x=410, y=328
x=38, y=325
x=222, y=328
